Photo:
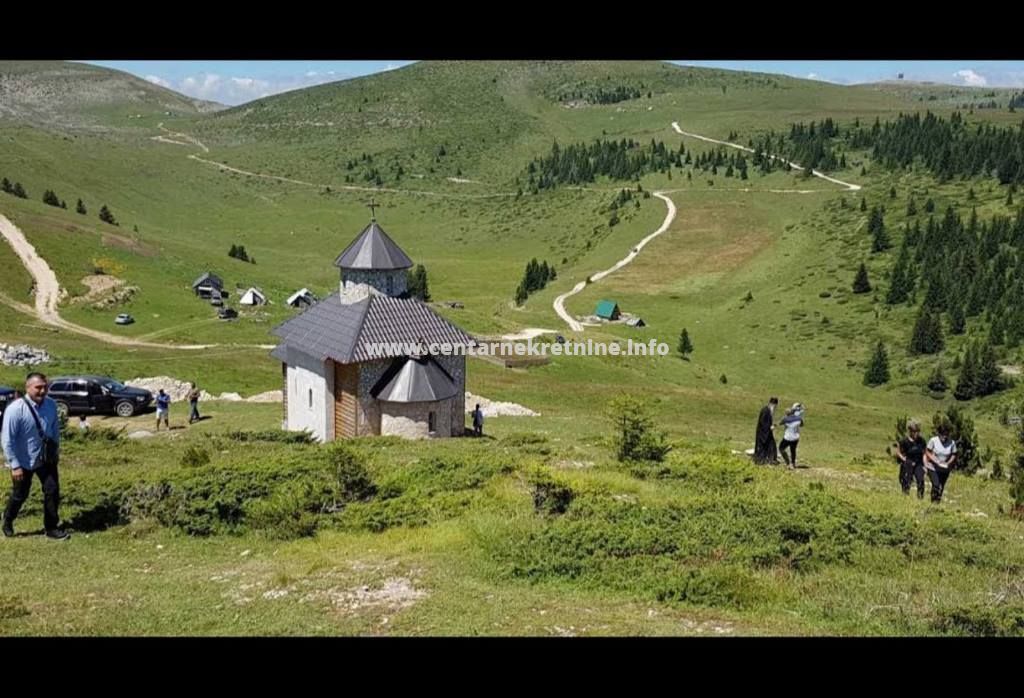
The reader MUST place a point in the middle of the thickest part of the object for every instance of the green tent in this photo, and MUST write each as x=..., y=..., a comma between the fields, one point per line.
x=607, y=310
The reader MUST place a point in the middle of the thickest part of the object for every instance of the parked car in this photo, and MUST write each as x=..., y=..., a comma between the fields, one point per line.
x=97, y=395
x=226, y=313
x=124, y=319
x=7, y=396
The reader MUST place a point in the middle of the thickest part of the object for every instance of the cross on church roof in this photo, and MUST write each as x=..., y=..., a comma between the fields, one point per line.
x=372, y=206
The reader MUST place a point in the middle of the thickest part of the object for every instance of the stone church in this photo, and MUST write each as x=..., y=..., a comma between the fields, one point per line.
x=336, y=389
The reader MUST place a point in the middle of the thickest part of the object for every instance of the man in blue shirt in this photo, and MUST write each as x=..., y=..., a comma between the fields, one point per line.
x=31, y=444
x=478, y=421
x=163, y=409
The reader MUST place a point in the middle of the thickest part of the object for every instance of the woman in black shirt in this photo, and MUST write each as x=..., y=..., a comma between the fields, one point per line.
x=910, y=453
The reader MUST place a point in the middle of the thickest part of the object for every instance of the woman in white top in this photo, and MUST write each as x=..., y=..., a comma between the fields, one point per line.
x=939, y=459
x=793, y=420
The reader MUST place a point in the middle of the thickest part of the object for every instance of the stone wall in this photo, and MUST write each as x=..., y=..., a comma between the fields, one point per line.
x=390, y=282
x=369, y=417
x=410, y=420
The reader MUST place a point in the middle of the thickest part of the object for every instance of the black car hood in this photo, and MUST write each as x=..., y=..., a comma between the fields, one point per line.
x=129, y=391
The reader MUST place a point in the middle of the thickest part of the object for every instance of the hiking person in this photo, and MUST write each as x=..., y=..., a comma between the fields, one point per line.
x=193, y=403
x=910, y=454
x=764, y=443
x=939, y=458
x=792, y=422
x=478, y=421
x=163, y=409
x=31, y=444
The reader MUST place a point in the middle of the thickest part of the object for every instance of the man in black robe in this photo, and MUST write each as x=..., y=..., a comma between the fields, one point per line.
x=765, y=450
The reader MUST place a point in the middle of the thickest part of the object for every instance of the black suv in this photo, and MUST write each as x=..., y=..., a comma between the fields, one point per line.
x=7, y=396
x=97, y=395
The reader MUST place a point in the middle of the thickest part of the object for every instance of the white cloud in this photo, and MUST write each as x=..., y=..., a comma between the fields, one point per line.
x=812, y=76
x=157, y=80
x=971, y=78
x=236, y=90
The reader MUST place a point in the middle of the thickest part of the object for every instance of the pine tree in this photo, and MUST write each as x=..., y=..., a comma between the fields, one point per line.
x=880, y=242
x=936, y=340
x=19, y=191
x=863, y=171
x=937, y=380
x=106, y=216
x=685, y=345
x=1017, y=473
x=876, y=226
x=892, y=192
x=995, y=332
x=531, y=280
x=863, y=204
x=860, y=282
x=957, y=319
x=911, y=208
x=936, y=297
x=968, y=379
x=520, y=295
x=5, y=186
x=417, y=284
x=1009, y=197
x=50, y=198
x=878, y=367
x=929, y=206
x=919, y=335
x=989, y=377
x=927, y=336
x=901, y=281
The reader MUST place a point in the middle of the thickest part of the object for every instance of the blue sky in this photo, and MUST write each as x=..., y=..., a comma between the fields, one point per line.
x=235, y=82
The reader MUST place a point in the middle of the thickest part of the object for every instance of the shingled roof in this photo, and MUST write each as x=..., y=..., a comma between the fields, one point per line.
x=208, y=278
x=373, y=249
x=340, y=331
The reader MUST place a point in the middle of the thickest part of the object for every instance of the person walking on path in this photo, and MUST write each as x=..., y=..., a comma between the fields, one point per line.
x=939, y=458
x=910, y=453
x=193, y=403
x=163, y=410
x=30, y=438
